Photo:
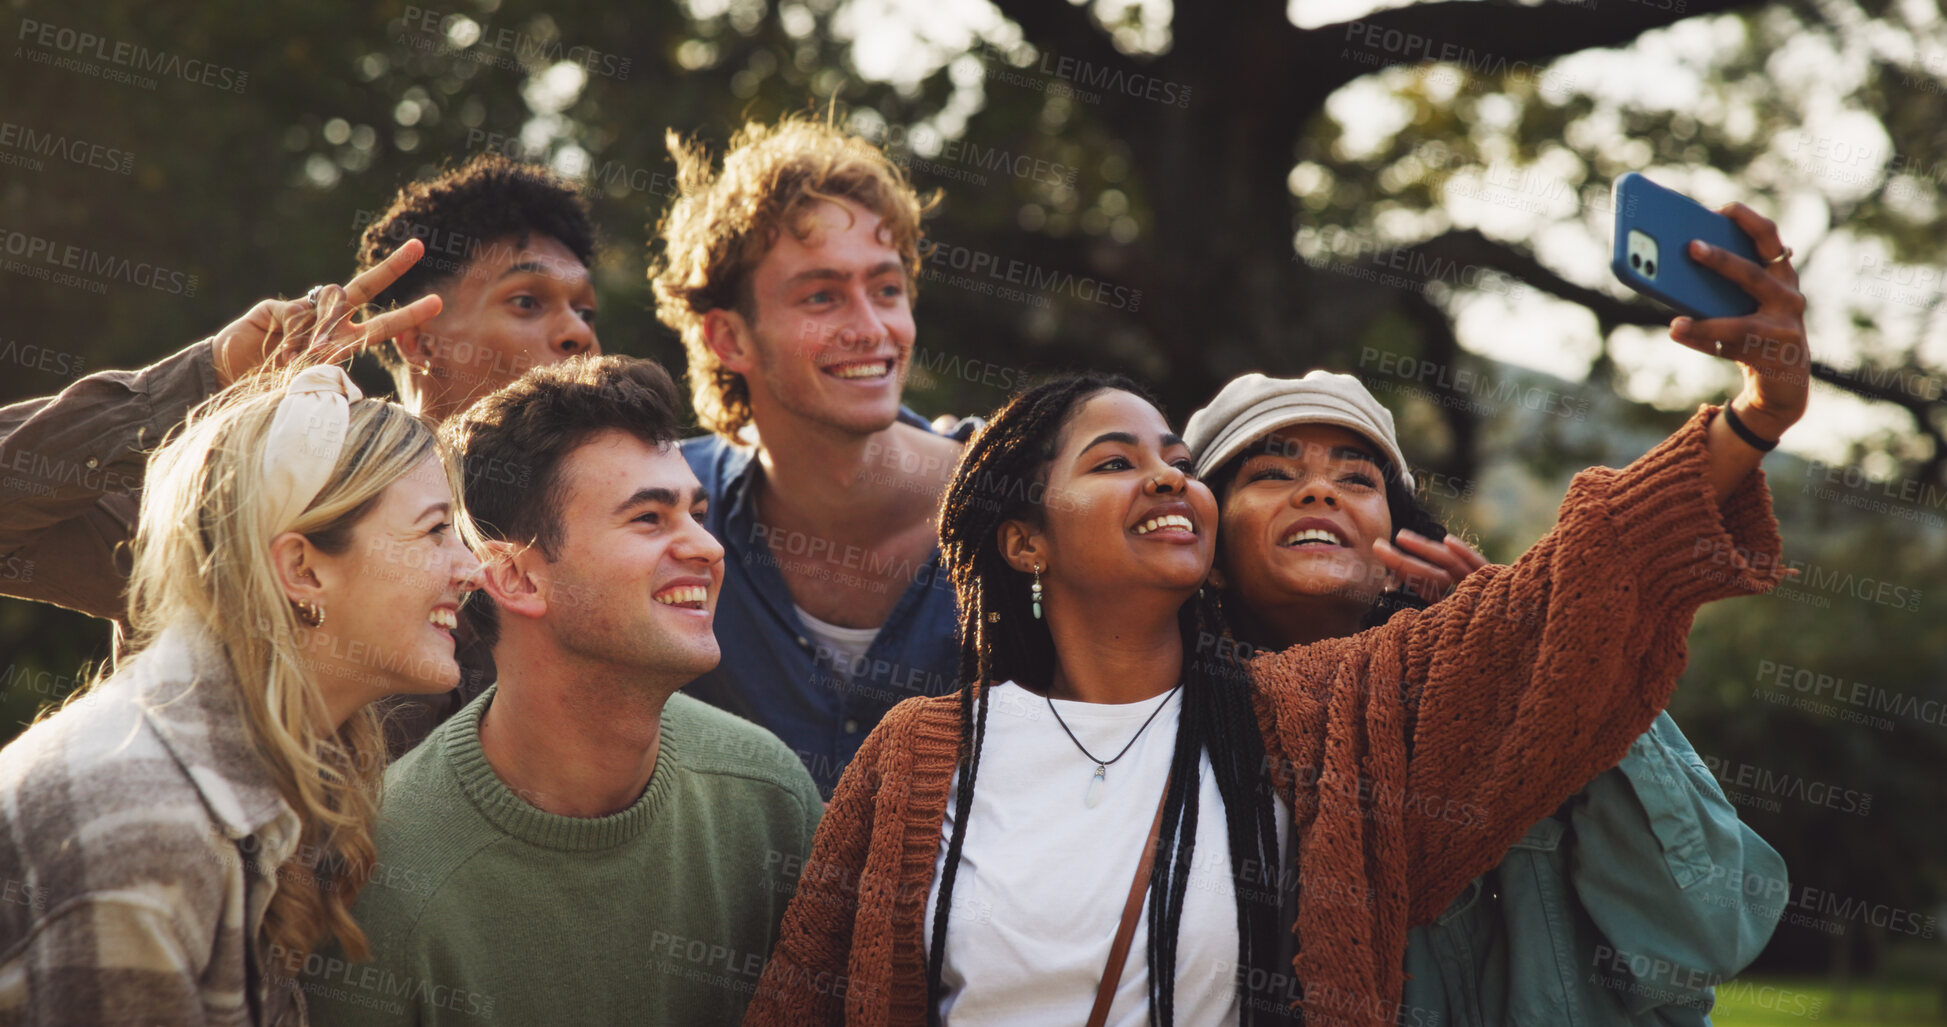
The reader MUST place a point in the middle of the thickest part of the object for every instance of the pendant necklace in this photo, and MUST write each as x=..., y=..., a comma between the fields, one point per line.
x=1093, y=796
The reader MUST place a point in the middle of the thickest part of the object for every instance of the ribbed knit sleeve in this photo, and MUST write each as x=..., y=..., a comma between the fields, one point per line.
x=850, y=949
x=1418, y=752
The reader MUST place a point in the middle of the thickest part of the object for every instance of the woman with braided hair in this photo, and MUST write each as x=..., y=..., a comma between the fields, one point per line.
x=975, y=854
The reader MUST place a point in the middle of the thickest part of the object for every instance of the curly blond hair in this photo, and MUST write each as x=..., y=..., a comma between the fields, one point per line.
x=723, y=222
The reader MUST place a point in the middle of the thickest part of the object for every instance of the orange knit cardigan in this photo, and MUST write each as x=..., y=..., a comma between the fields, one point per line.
x=1413, y=755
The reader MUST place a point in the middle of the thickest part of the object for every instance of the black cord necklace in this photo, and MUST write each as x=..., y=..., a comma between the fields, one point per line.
x=1093, y=796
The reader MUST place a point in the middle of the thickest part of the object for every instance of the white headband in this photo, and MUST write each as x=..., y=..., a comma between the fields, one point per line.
x=304, y=440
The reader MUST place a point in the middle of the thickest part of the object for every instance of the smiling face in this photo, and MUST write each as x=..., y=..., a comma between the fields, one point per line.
x=635, y=580
x=1122, y=510
x=1298, y=525
x=392, y=597
x=830, y=329
x=512, y=307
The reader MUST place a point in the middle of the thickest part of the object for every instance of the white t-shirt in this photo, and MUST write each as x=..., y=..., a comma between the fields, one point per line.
x=839, y=650
x=1043, y=877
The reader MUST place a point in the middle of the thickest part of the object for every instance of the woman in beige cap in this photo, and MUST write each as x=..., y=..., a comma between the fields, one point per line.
x=1608, y=911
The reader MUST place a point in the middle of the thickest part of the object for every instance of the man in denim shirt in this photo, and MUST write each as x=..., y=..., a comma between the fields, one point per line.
x=790, y=274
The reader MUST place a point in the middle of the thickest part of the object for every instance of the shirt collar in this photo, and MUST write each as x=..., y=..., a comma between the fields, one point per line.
x=740, y=466
x=186, y=691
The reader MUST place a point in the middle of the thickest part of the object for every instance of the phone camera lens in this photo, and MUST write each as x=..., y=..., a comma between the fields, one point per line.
x=1636, y=260
x=1650, y=268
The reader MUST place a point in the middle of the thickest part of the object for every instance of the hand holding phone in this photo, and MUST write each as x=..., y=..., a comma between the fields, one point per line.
x=1654, y=227
x=1762, y=329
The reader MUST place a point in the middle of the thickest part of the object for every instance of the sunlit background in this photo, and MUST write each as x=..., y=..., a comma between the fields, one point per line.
x=1228, y=187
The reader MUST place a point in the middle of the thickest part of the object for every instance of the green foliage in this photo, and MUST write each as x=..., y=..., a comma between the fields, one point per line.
x=1225, y=215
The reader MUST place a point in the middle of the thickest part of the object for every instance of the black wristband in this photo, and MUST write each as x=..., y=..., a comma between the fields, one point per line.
x=1742, y=432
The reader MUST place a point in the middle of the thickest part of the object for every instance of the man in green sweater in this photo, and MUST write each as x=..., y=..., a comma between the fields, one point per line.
x=581, y=844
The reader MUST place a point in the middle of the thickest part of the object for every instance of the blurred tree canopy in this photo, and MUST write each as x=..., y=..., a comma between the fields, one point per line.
x=1182, y=192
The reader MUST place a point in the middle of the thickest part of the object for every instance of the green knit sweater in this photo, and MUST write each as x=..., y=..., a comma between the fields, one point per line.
x=486, y=909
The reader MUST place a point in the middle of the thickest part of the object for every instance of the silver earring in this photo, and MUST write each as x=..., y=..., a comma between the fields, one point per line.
x=1034, y=592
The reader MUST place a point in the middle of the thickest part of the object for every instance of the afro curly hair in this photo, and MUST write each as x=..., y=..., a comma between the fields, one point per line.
x=464, y=211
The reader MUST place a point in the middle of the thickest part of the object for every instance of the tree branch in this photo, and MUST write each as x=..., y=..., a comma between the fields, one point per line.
x=1465, y=248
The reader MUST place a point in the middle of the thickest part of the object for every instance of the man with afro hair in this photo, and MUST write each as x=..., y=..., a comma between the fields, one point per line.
x=507, y=250
x=477, y=274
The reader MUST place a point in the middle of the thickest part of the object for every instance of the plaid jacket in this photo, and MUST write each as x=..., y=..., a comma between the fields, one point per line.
x=141, y=837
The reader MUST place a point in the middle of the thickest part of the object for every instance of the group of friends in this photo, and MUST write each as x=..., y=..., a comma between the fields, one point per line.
x=515, y=699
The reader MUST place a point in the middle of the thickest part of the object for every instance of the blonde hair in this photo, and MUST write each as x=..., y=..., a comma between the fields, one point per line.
x=202, y=559
x=722, y=223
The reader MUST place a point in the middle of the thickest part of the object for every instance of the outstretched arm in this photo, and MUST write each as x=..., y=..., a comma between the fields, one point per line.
x=1507, y=697
x=72, y=464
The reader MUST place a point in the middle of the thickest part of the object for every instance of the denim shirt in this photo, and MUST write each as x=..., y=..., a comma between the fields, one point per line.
x=772, y=670
x=1626, y=907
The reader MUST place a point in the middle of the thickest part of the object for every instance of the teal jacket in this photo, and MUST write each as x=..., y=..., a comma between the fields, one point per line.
x=1625, y=907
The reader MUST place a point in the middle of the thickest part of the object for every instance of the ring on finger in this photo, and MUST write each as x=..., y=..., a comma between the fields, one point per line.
x=1782, y=257
x=311, y=295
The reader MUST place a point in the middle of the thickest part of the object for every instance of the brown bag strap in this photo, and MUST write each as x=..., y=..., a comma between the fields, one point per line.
x=1119, y=952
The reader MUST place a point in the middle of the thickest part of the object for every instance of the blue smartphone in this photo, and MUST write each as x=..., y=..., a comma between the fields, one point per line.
x=1654, y=227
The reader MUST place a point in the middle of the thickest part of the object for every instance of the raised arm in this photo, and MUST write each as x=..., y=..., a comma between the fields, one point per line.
x=1769, y=347
x=74, y=462
x=1531, y=679
x=1484, y=712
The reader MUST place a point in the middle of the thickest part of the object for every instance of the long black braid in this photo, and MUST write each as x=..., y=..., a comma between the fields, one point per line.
x=1002, y=476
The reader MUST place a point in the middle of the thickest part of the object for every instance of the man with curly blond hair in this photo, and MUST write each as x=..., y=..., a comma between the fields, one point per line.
x=790, y=273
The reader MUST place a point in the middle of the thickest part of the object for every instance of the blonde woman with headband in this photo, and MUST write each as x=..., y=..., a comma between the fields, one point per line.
x=180, y=836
